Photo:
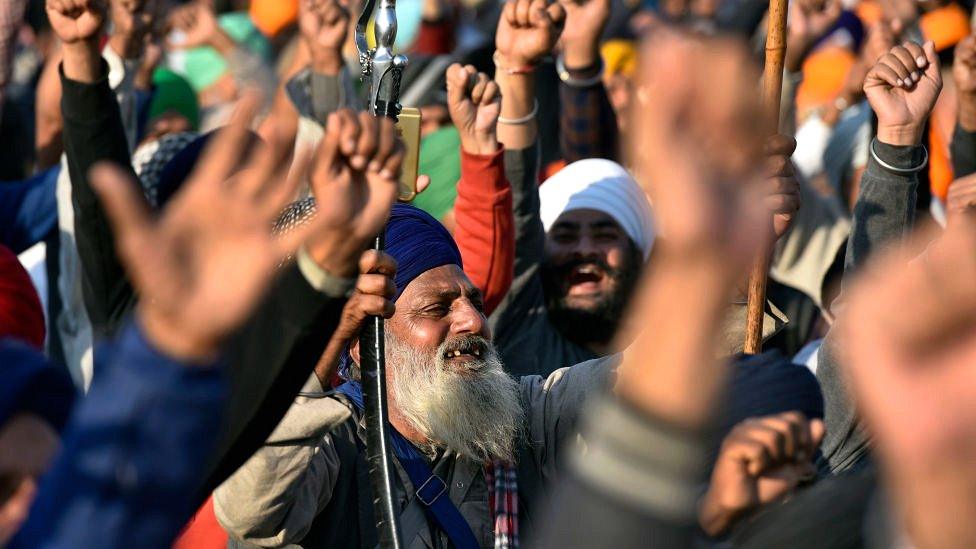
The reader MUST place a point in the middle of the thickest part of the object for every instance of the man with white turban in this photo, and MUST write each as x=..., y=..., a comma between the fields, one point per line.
x=576, y=267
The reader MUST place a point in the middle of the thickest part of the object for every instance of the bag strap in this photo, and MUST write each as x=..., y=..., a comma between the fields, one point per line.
x=430, y=490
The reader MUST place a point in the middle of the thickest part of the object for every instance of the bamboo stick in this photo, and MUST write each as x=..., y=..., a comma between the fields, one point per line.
x=772, y=91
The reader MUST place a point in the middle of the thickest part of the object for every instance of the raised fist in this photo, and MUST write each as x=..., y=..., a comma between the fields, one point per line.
x=76, y=20
x=695, y=143
x=132, y=21
x=324, y=25
x=761, y=460
x=585, y=20
x=198, y=23
x=354, y=179
x=474, y=104
x=902, y=88
x=527, y=31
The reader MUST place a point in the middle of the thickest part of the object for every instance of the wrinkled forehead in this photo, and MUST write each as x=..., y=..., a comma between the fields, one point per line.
x=447, y=282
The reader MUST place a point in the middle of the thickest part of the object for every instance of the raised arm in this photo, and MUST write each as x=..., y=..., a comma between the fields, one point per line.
x=527, y=31
x=485, y=231
x=963, y=148
x=646, y=459
x=587, y=123
x=902, y=88
x=93, y=132
x=136, y=449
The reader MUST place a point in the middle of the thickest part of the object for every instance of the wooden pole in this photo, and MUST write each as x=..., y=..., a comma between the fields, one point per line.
x=772, y=91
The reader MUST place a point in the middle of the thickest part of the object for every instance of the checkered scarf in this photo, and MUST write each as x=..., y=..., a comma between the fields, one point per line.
x=151, y=157
x=503, y=503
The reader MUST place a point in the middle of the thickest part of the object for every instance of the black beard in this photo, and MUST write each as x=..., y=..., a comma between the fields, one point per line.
x=597, y=323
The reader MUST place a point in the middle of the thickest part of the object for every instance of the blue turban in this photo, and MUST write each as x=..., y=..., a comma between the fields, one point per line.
x=419, y=243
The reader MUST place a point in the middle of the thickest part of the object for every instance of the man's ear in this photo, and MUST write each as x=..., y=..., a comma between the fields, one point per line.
x=354, y=351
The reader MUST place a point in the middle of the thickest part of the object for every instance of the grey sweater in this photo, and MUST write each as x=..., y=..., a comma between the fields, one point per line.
x=884, y=215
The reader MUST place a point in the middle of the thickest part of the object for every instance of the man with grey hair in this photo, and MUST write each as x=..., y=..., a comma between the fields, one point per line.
x=458, y=418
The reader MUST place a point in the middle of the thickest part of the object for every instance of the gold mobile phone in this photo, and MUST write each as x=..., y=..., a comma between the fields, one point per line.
x=408, y=126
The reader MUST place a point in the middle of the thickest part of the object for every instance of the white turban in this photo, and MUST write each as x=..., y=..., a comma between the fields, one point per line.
x=602, y=185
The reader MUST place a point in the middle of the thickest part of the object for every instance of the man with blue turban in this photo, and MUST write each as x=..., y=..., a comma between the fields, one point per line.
x=461, y=422
x=474, y=448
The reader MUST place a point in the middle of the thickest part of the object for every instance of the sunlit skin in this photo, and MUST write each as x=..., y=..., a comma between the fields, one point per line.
x=438, y=305
x=586, y=235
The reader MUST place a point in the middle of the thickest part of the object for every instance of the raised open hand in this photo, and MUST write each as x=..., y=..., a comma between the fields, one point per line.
x=474, y=104
x=761, y=460
x=580, y=40
x=76, y=20
x=902, y=88
x=324, y=25
x=354, y=179
x=527, y=31
x=204, y=263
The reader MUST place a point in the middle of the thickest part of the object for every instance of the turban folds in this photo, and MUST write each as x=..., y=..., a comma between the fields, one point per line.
x=604, y=186
x=414, y=238
x=419, y=243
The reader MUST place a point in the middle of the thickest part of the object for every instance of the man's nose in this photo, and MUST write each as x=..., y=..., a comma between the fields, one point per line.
x=586, y=248
x=467, y=319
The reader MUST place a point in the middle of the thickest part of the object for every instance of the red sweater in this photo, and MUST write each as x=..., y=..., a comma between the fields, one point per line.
x=485, y=225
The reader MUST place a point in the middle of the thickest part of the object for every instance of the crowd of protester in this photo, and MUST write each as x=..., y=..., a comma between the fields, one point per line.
x=190, y=191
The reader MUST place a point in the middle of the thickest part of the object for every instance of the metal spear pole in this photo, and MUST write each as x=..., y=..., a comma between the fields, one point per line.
x=381, y=70
x=772, y=90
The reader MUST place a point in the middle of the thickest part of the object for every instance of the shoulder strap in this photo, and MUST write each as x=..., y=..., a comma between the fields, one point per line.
x=430, y=490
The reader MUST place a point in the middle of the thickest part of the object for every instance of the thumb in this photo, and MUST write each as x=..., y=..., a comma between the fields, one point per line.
x=457, y=79
x=932, y=70
x=557, y=14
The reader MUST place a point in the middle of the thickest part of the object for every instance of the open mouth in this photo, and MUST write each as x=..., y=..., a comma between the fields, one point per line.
x=465, y=350
x=585, y=278
x=460, y=354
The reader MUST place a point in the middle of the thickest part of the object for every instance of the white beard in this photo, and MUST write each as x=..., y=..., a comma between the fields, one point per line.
x=476, y=413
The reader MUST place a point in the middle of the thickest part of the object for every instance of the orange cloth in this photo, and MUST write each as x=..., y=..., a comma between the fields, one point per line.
x=203, y=531
x=940, y=167
x=945, y=26
x=272, y=16
x=824, y=73
x=869, y=12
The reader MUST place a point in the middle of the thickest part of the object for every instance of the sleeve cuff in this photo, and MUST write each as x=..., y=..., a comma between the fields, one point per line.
x=901, y=157
x=320, y=279
x=657, y=467
x=480, y=170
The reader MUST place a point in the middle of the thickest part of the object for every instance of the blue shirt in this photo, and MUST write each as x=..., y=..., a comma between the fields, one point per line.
x=134, y=453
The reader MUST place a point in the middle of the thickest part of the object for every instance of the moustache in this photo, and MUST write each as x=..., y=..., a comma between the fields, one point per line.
x=468, y=344
x=563, y=270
